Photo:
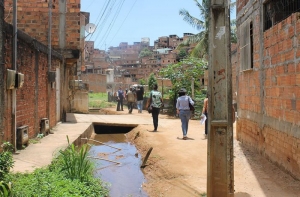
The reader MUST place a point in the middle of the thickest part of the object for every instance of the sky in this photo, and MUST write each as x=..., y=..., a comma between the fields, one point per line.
x=128, y=21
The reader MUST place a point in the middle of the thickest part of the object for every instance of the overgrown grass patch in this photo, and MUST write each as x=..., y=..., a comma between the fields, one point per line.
x=99, y=100
x=69, y=174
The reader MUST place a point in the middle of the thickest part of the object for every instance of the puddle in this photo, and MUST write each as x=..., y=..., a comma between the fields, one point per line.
x=126, y=178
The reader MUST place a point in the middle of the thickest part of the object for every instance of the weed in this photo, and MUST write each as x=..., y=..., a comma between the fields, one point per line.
x=40, y=135
x=5, y=189
x=6, y=159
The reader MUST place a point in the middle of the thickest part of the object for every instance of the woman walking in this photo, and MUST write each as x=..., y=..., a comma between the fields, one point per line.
x=156, y=102
x=183, y=110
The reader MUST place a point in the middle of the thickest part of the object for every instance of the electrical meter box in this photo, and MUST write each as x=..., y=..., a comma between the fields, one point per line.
x=11, y=79
x=74, y=84
x=45, y=127
x=51, y=76
x=19, y=80
x=22, y=136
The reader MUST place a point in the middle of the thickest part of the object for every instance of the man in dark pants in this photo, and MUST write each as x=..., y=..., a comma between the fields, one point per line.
x=156, y=102
x=120, y=97
x=130, y=96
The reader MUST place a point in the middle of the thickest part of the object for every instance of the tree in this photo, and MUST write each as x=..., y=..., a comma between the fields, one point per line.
x=233, y=37
x=142, y=81
x=182, y=54
x=151, y=81
x=182, y=73
x=202, y=24
x=145, y=52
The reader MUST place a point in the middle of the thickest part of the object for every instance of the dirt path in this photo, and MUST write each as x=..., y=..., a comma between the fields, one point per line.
x=177, y=168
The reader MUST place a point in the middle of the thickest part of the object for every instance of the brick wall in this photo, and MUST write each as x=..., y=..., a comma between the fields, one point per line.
x=268, y=95
x=97, y=82
x=33, y=102
x=33, y=19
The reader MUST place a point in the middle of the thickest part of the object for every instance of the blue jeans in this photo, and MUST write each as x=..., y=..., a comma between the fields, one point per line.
x=184, y=116
x=140, y=105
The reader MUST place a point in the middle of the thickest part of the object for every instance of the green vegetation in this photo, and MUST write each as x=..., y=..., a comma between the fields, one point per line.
x=151, y=81
x=75, y=163
x=6, y=159
x=181, y=75
x=201, y=39
x=70, y=174
x=145, y=52
x=6, y=163
x=99, y=100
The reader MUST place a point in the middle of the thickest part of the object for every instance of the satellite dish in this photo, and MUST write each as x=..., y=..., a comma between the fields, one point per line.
x=90, y=28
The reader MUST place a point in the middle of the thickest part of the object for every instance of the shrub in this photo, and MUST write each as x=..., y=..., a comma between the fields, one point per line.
x=6, y=159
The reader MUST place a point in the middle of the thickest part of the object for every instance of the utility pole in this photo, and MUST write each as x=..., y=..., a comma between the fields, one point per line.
x=220, y=133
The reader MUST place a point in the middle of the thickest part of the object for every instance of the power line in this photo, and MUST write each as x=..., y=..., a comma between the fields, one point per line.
x=112, y=22
x=123, y=21
x=97, y=25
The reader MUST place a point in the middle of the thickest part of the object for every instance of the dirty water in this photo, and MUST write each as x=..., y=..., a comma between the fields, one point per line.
x=119, y=165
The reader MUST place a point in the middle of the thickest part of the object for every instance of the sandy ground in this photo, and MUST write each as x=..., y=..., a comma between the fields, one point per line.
x=177, y=168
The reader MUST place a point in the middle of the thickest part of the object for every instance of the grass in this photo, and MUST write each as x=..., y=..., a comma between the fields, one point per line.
x=100, y=100
x=69, y=174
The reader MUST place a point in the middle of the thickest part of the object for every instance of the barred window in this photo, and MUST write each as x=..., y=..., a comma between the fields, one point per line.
x=246, y=43
x=277, y=10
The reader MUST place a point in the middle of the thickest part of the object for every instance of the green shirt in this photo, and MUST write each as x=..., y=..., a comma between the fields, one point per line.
x=156, y=99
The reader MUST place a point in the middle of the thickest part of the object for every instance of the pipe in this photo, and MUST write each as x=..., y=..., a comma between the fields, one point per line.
x=14, y=67
x=49, y=58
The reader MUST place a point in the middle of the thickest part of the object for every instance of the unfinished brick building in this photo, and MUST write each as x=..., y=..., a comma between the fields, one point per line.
x=268, y=78
x=46, y=93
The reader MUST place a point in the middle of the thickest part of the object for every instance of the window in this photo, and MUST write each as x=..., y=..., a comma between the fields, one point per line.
x=277, y=10
x=246, y=50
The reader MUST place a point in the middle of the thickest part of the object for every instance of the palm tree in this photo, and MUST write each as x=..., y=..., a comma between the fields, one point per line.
x=201, y=39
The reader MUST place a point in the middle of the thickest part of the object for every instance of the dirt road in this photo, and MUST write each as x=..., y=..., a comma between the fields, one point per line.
x=177, y=168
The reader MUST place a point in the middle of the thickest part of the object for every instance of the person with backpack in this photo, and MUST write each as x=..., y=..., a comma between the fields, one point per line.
x=130, y=96
x=184, y=111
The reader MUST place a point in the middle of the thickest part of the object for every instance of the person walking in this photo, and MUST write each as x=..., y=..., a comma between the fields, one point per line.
x=205, y=112
x=130, y=97
x=140, y=98
x=120, y=98
x=183, y=110
x=156, y=102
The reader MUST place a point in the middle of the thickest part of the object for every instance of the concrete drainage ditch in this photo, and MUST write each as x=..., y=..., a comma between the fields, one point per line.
x=117, y=161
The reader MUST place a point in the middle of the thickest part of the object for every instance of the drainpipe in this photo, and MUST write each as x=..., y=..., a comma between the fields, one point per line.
x=49, y=57
x=14, y=67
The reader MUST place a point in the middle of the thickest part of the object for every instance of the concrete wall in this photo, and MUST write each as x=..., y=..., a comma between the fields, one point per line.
x=268, y=95
x=32, y=98
x=80, y=103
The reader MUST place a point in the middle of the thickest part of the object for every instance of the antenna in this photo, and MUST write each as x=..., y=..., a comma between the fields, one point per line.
x=90, y=28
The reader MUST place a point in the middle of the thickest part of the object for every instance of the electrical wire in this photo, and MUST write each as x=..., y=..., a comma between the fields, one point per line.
x=112, y=23
x=123, y=21
x=97, y=24
x=105, y=19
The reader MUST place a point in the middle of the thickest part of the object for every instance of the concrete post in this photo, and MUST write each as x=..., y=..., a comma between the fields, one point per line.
x=220, y=133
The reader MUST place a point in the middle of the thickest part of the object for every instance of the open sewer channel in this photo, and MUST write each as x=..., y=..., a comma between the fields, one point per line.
x=117, y=160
